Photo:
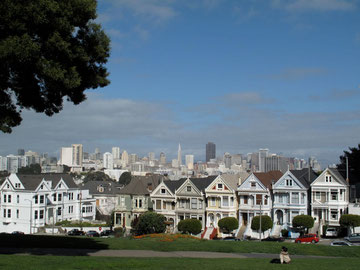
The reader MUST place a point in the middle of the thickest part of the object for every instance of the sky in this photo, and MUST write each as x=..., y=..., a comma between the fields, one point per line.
x=277, y=74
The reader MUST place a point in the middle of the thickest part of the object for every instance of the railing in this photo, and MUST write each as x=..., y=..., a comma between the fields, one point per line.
x=213, y=234
x=203, y=233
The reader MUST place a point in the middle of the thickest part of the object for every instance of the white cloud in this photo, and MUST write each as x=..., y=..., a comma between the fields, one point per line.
x=315, y=5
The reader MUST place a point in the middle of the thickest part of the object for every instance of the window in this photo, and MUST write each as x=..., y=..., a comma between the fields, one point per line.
x=71, y=209
x=4, y=213
x=246, y=198
x=317, y=195
x=54, y=197
x=200, y=204
x=302, y=198
x=232, y=201
x=187, y=206
x=136, y=203
x=59, y=211
x=266, y=200
x=42, y=186
x=59, y=197
x=289, y=182
x=36, y=214
x=9, y=198
x=225, y=201
x=295, y=198
x=188, y=188
x=220, y=186
x=164, y=205
x=328, y=178
x=140, y=203
x=17, y=198
x=9, y=213
x=258, y=199
x=71, y=196
x=212, y=201
x=163, y=191
x=4, y=198
x=36, y=198
x=334, y=195
x=253, y=184
x=17, y=185
x=334, y=214
x=122, y=201
x=158, y=204
x=17, y=213
x=193, y=203
x=41, y=198
x=41, y=214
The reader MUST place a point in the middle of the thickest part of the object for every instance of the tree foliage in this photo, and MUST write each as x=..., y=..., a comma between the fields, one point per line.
x=350, y=221
x=97, y=176
x=31, y=169
x=228, y=224
x=49, y=50
x=303, y=222
x=125, y=178
x=149, y=222
x=192, y=226
x=266, y=223
x=353, y=156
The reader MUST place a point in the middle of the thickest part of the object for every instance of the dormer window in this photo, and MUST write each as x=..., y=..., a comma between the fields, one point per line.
x=289, y=182
x=163, y=191
x=17, y=185
x=188, y=188
x=42, y=187
x=328, y=179
x=220, y=186
x=7, y=186
x=59, y=185
x=253, y=184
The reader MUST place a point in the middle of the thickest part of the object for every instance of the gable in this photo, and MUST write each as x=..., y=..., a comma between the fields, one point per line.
x=43, y=186
x=288, y=181
x=328, y=178
x=188, y=189
x=219, y=185
x=252, y=183
x=61, y=185
x=161, y=190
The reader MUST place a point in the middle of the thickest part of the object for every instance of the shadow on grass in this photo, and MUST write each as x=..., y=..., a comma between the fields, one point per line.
x=49, y=245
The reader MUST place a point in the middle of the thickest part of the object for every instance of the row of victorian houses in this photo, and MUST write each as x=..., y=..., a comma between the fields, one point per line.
x=28, y=203
x=280, y=196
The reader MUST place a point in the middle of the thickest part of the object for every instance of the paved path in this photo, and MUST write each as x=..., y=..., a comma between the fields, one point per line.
x=140, y=253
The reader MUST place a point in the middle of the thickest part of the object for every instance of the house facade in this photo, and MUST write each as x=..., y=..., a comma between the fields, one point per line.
x=329, y=198
x=30, y=202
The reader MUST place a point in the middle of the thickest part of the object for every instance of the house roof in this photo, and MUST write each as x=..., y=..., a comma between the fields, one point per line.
x=267, y=178
x=142, y=185
x=173, y=185
x=338, y=176
x=303, y=176
x=203, y=183
x=109, y=188
x=234, y=180
x=32, y=181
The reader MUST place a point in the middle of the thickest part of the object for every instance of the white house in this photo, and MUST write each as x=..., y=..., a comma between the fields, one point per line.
x=290, y=198
x=329, y=198
x=29, y=202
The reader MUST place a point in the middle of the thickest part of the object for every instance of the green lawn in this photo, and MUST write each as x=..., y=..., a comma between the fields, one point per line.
x=158, y=244
x=59, y=262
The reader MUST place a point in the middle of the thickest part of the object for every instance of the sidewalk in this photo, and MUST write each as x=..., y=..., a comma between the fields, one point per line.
x=141, y=253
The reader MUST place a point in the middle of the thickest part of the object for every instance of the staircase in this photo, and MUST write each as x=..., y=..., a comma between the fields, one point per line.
x=276, y=231
x=208, y=232
x=241, y=232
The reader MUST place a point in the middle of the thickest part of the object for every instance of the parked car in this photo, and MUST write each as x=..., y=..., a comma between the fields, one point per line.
x=75, y=232
x=17, y=232
x=340, y=243
x=92, y=234
x=331, y=232
x=107, y=233
x=273, y=239
x=307, y=238
x=354, y=237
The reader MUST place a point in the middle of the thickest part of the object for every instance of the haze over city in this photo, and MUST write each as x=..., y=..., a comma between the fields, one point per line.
x=245, y=74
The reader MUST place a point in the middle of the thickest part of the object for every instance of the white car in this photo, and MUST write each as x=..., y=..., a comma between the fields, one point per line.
x=331, y=232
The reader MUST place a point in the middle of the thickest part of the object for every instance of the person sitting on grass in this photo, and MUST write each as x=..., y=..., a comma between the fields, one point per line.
x=284, y=256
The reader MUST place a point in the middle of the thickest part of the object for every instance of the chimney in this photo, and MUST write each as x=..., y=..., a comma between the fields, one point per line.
x=347, y=170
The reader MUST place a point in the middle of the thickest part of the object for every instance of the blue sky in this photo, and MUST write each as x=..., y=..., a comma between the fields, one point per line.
x=281, y=74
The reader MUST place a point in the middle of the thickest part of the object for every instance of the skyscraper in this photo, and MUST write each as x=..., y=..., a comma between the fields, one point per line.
x=108, y=161
x=77, y=152
x=210, y=151
x=115, y=152
x=263, y=153
x=179, y=156
x=162, y=158
x=189, y=161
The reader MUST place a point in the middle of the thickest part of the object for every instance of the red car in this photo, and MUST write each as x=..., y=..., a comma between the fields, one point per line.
x=307, y=238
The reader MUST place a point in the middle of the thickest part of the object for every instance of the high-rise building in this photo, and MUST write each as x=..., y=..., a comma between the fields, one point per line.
x=227, y=160
x=210, y=151
x=125, y=158
x=21, y=152
x=3, y=163
x=115, y=152
x=162, y=158
x=151, y=156
x=77, y=153
x=133, y=158
x=108, y=161
x=66, y=156
x=189, y=161
x=263, y=153
x=179, y=156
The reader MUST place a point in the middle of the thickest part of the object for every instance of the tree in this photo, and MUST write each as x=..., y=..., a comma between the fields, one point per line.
x=31, y=169
x=303, y=222
x=125, y=178
x=228, y=224
x=150, y=222
x=97, y=176
x=350, y=221
x=266, y=223
x=192, y=226
x=353, y=160
x=49, y=50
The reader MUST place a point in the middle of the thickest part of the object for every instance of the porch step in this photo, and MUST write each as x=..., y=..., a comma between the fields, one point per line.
x=241, y=232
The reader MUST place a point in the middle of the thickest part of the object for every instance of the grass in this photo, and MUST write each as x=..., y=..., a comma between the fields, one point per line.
x=168, y=243
x=58, y=262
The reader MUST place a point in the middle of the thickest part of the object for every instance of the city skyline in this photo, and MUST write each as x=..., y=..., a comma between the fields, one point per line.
x=243, y=74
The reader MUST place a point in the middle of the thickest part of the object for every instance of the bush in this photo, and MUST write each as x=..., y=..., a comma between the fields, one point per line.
x=350, y=221
x=149, y=222
x=284, y=233
x=119, y=232
x=303, y=222
x=192, y=226
x=266, y=223
x=228, y=224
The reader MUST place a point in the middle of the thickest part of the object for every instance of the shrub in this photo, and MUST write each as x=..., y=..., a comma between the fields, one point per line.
x=266, y=223
x=284, y=233
x=350, y=221
x=228, y=224
x=149, y=222
x=119, y=232
x=192, y=226
x=303, y=222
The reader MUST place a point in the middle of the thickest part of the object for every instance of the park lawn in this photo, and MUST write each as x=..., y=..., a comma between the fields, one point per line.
x=166, y=243
x=103, y=263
